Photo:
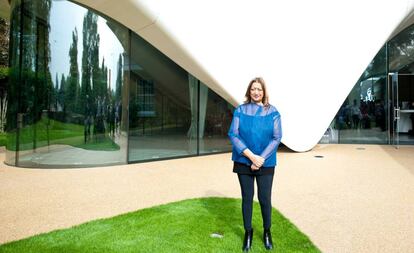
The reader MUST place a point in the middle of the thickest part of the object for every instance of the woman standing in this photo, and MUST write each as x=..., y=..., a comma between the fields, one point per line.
x=255, y=133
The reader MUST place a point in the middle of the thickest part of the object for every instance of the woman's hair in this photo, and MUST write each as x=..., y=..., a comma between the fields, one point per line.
x=265, y=99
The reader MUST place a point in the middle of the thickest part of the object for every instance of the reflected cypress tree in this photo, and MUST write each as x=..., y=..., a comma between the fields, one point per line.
x=61, y=93
x=72, y=82
x=102, y=82
x=90, y=62
x=119, y=77
x=94, y=48
x=93, y=91
x=56, y=94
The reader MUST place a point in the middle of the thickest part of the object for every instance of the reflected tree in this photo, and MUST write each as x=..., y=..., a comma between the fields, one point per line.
x=90, y=43
x=61, y=93
x=401, y=50
x=72, y=82
x=377, y=66
x=93, y=92
x=119, y=78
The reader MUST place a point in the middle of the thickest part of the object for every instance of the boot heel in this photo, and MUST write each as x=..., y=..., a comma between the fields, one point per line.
x=248, y=239
x=267, y=239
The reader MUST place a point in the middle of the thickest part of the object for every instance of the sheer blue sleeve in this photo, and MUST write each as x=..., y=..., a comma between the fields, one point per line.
x=238, y=143
x=277, y=136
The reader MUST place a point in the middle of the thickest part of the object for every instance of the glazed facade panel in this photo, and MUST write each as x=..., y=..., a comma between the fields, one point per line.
x=89, y=92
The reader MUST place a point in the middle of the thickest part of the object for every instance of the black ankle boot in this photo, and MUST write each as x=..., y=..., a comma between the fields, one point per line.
x=267, y=239
x=248, y=238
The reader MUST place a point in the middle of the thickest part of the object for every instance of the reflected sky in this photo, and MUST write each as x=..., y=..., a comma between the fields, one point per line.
x=64, y=17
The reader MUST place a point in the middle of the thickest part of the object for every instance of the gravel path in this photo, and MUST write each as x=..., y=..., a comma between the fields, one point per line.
x=357, y=198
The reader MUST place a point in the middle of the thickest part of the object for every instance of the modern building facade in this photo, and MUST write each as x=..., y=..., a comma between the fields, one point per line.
x=88, y=91
x=102, y=82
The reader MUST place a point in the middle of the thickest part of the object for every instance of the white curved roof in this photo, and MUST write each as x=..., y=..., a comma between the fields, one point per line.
x=310, y=53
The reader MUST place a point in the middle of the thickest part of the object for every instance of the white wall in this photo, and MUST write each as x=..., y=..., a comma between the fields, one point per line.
x=310, y=53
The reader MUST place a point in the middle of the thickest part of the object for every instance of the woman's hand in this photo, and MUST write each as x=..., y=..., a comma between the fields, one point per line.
x=254, y=167
x=257, y=160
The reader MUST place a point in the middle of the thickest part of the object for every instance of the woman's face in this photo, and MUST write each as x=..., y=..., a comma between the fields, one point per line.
x=256, y=92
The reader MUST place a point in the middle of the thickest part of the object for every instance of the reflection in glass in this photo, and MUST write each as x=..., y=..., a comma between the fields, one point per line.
x=90, y=92
x=215, y=118
x=69, y=85
x=13, y=91
x=362, y=117
x=380, y=107
x=171, y=113
x=401, y=51
x=161, y=110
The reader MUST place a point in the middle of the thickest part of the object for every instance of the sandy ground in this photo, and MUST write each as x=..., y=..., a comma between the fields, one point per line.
x=357, y=198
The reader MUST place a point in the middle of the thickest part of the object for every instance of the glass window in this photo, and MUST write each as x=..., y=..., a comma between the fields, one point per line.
x=362, y=117
x=162, y=106
x=401, y=65
x=214, y=121
x=70, y=86
x=89, y=92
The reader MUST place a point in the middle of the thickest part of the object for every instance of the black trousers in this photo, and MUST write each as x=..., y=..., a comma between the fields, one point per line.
x=264, y=187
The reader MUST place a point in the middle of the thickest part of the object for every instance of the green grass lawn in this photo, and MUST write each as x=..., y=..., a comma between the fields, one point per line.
x=183, y=226
x=2, y=139
x=49, y=132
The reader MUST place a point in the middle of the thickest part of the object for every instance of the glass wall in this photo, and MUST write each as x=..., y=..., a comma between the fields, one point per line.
x=363, y=113
x=215, y=119
x=380, y=107
x=362, y=116
x=68, y=77
x=88, y=92
x=171, y=113
x=161, y=111
x=401, y=68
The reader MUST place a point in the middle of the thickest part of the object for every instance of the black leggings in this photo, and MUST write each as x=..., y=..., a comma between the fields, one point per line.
x=264, y=187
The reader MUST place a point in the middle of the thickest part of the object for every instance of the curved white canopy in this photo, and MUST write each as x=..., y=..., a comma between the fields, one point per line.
x=310, y=53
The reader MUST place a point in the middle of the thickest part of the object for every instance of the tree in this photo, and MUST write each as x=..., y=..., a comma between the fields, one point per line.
x=90, y=60
x=119, y=77
x=61, y=93
x=72, y=82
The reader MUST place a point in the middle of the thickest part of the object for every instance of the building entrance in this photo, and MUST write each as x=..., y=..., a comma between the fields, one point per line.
x=401, y=108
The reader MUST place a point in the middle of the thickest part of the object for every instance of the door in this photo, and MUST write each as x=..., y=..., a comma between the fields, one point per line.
x=395, y=110
x=402, y=108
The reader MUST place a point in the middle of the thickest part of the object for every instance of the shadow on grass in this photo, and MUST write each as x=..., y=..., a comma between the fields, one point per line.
x=183, y=226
